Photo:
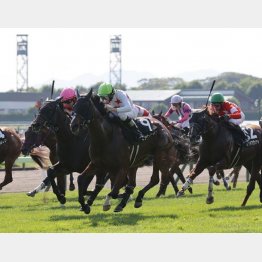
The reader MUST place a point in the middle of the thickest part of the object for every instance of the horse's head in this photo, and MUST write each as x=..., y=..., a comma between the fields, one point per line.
x=198, y=125
x=35, y=139
x=49, y=116
x=82, y=113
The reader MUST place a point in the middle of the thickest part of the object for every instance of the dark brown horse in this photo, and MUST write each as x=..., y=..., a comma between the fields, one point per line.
x=10, y=149
x=72, y=151
x=111, y=152
x=47, y=138
x=218, y=149
x=188, y=154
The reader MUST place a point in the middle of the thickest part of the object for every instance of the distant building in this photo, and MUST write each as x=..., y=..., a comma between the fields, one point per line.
x=150, y=98
x=18, y=102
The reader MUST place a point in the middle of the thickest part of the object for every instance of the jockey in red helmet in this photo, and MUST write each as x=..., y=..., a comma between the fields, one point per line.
x=69, y=98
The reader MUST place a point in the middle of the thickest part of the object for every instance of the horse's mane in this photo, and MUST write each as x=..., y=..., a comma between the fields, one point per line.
x=100, y=106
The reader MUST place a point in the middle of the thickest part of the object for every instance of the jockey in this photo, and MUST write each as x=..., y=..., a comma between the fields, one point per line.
x=142, y=111
x=69, y=98
x=230, y=113
x=118, y=102
x=183, y=110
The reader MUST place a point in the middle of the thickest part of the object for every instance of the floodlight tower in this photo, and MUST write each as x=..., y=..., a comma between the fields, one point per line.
x=22, y=63
x=115, y=75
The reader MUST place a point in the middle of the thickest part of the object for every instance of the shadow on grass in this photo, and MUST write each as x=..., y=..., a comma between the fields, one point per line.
x=112, y=219
x=6, y=207
x=232, y=208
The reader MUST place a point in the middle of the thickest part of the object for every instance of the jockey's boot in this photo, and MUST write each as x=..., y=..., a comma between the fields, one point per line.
x=239, y=135
x=139, y=136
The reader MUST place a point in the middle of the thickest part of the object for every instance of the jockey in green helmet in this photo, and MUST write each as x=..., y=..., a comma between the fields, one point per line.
x=119, y=103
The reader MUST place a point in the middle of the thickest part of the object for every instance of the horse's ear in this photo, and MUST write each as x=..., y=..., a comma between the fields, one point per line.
x=77, y=93
x=153, y=112
x=59, y=99
x=89, y=95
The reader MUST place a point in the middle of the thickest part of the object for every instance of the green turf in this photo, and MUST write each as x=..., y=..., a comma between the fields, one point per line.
x=189, y=214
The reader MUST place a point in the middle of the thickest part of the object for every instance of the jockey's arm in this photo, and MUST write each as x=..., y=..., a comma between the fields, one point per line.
x=234, y=113
x=185, y=117
x=126, y=106
x=169, y=112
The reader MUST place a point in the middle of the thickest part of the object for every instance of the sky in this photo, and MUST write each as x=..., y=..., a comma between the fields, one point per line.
x=67, y=53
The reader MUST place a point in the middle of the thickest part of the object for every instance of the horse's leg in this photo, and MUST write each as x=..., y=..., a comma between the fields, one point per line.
x=226, y=185
x=163, y=187
x=61, y=183
x=71, y=183
x=119, y=182
x=253, y=167
x=100, y=183
x=129, y=189
x=236, y=172
x=154, y=180
x=8, y=173
x=210, y=197
x=200, y=166
x=81, y=181
x=182, y=178
x=53, y=172
x=216, y=181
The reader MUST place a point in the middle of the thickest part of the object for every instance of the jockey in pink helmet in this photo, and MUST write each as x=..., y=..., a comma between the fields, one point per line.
x=69, y=98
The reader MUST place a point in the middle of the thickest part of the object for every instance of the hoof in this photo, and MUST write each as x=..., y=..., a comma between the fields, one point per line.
x=228, y=188
x=216, y=183
x=138, y=204
x=62, y=199
x=180, y=193
x=106, y=207
x=90, y=202
x=210, y=200
x=190, y=189
x=62, y=206
x=31, y=194
x=118, y=209
x=87, y=209
x=72, y=187
x=158, y=195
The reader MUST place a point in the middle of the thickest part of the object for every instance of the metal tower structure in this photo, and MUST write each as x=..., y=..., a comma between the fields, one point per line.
x=22, y=63
x=115, y=75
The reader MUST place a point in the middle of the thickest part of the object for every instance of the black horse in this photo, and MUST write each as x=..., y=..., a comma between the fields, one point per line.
x=111, y=152
x=45, y=137
x=219, y=149
x=72, y=151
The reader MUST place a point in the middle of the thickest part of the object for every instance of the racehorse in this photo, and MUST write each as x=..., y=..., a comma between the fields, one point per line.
x=187, y=154
x=111, y=152
x=219, y=149
x=10, y=149
x=72, y=151
x=47, y=138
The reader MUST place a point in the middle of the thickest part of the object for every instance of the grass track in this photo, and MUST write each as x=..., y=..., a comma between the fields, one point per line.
x=190, y=214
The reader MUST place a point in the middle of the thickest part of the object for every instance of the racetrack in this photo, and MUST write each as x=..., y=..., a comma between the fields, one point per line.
x=26, y=180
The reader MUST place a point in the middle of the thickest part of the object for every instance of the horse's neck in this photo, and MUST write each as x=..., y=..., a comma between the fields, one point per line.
x=99, y=131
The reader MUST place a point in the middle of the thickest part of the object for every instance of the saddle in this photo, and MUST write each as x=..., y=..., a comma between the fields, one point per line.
x=144, y=124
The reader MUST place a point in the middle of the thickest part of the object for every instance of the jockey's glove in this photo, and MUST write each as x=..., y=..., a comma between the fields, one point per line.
x=224, y=117
x=173, y=123
x=110, y=108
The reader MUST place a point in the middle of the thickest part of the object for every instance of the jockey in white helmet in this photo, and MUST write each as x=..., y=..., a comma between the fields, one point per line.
x=182, y=109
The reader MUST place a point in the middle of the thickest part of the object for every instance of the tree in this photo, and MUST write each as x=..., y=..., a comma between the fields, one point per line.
x=255, y=90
